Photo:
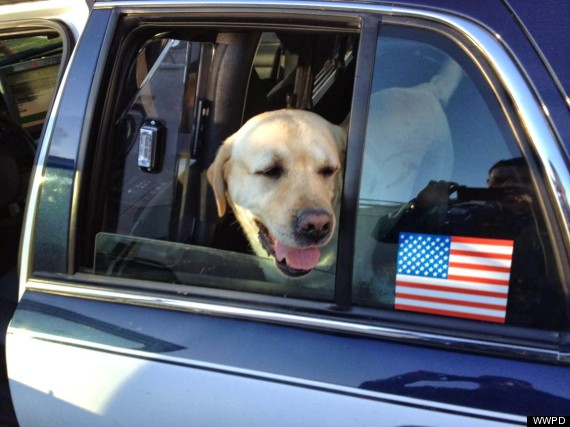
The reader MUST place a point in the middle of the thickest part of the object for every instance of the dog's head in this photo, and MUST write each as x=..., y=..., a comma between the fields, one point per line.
x=281, y=174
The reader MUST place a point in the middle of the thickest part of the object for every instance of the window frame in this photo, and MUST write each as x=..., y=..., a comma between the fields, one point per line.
x=418, y=328
x=141, y=23
x=516, y=122
x=483, y=335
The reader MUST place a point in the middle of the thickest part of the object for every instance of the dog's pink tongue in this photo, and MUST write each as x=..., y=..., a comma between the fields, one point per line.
x=300, y=259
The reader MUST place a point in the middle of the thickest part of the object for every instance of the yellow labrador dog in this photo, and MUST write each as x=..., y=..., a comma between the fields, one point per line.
x=280, y=173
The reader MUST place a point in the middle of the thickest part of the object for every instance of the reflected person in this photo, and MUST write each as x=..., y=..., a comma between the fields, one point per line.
x=506, y=209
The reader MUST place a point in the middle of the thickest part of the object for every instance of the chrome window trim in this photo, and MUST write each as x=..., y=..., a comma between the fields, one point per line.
x=297, y=320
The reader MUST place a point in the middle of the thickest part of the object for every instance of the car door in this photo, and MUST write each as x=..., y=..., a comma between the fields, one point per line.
x=140, y=305
x=36, y=40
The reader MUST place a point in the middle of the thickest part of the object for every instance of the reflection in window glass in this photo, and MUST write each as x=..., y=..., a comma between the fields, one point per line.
x=30, y=46
x=29, y=67
x=143, y=195
x=449, y=222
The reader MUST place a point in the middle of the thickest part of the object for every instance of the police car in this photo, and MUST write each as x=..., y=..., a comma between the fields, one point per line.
x=446, y=301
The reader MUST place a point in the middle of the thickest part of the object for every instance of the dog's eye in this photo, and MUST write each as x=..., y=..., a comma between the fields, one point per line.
x=274, y=171
x=327, y=171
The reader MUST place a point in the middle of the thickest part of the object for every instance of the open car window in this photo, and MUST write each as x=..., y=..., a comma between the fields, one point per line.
x=181, y=95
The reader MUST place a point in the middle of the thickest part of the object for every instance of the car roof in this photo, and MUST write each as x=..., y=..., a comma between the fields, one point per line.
x=542, y=24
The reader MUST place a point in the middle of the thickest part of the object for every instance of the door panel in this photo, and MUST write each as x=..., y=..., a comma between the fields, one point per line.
x=93, y=340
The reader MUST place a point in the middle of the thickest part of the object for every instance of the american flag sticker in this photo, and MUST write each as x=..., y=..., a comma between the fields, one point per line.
x=455, y=276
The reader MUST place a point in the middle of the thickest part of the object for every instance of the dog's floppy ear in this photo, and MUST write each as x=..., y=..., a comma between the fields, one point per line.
x=216, y=175
x=340, y=134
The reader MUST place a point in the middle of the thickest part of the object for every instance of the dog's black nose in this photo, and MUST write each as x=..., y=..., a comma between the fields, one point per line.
x=313, y=225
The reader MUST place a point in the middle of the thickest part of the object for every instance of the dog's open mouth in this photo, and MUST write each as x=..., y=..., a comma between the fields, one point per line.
x=292, y=261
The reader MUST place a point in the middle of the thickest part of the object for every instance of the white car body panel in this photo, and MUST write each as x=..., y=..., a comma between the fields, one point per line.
x=73, y=13
x=122, y=389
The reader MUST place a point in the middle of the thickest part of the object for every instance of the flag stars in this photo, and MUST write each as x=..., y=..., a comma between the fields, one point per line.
x=423, y=255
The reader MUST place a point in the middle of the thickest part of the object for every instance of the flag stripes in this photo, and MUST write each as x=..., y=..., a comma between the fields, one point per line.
x=475, y=315
x=453, y=276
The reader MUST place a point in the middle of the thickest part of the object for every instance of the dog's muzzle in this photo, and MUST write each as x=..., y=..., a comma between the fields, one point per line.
x=312, y=229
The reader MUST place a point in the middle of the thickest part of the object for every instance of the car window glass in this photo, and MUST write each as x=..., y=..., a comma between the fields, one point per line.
x=449, y=222
x=180, y=99
x=29, y=66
